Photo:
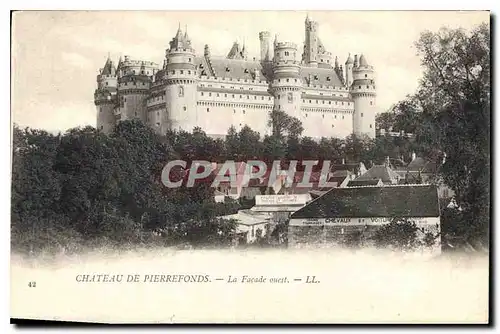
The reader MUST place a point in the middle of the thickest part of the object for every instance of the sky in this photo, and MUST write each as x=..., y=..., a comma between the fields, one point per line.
x=56, y=55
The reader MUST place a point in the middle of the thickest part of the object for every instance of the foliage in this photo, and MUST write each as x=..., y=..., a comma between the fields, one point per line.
x=400, y=234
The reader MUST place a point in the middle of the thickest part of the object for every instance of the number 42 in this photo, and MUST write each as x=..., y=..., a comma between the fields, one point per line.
x=32, y=284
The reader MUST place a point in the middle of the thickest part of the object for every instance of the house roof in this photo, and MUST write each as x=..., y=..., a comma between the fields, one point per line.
x=420, y=164
x=388, y=201
x=382, y=172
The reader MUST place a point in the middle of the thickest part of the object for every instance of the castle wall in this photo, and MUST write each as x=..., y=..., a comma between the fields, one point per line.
x=220, y=109
x=105, y=117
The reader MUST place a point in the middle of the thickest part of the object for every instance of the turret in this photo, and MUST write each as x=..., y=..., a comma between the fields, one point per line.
x=181, y=85
x=310, y=57
x=265, y=45
x=133, y=88
x=349, y=64
x=105, y=96
x=364, y=95
x=286, y=86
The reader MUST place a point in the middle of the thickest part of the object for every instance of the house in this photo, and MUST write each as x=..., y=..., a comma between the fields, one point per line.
x=250, y=225
x=380, y=172
x=342, y=213
x=421, y=170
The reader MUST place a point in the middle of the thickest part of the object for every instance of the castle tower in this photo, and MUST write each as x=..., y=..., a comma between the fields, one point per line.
x=310, y=57
x=349, y=64
x=133, y=88
x=286, y=86
x=181, y=85
x=265, y=45
x=364, y=95
x=105, y=97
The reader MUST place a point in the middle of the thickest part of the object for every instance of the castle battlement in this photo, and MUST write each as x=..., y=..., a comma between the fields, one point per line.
x=217, y=92
x=286, y=45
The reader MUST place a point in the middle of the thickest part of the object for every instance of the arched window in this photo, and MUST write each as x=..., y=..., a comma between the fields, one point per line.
x=181, y=91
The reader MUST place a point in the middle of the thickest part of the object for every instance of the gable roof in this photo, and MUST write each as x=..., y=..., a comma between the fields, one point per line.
x=382, y=172
x=388, y=201
x=420, y=164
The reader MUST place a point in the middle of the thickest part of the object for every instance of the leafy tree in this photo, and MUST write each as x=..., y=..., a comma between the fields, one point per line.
x=400, y=234
x=454, y=97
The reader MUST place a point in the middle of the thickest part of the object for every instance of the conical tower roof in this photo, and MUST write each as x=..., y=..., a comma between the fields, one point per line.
x=109, y=68
x=362, y=61
x=349, y=60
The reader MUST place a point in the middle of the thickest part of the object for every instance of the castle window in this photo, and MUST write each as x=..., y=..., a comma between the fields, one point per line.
x=323, y=115
x=329, y=102
x=263, y=98
x=208, y=109
x=234, y=111
x=287, y=53
x=370, y=126
x=246, y=71
x=157, y=113
x=158, y=124
x=255, y=97
x=209, y=94
x=201, y=93
x=248, y=97
x=173, y=72
x=371, y=102
x=106, y=83
x=182, y=71
x=241, y=96
x=181, y=91
x=327, y=78
x=335, y=116
x=359, y=87
x=310, y=101
x=225, y=95
x=189, y=72
x=227, y=69
x=367, y=86
x=342, y=117
x=323, y=102
x=321, y=59
x=317, y=101
x=366, y=75
x=233, y=95
x=342, y=103
x=189, y=60
x=243, y=111
x=287, y=80
x=217, y=94
x=361, y=114
x=332, y=125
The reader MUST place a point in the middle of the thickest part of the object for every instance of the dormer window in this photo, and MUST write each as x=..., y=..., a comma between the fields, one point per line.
x=246, y=70
x=327, y=78
x=315, y=77
x=227, y=69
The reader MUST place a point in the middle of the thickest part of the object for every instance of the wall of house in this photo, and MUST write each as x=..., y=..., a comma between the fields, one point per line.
x=314, y=232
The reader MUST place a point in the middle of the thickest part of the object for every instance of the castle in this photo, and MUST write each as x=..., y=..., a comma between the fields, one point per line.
x=214, y=93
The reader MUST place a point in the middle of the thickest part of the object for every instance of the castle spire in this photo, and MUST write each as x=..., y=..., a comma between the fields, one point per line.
x=349, y=59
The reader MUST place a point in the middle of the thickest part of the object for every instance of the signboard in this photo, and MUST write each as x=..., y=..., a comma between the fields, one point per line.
x=339, y=221
x=299, y=199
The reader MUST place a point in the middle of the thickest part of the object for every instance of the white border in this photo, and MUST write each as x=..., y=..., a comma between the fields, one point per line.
x=184, y=5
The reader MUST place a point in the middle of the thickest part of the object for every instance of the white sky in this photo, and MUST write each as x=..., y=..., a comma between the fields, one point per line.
x=56, y=55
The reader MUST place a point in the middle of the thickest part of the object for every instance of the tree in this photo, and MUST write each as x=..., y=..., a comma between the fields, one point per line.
x=400, y=234
x=284, y=124
x=454, y=96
